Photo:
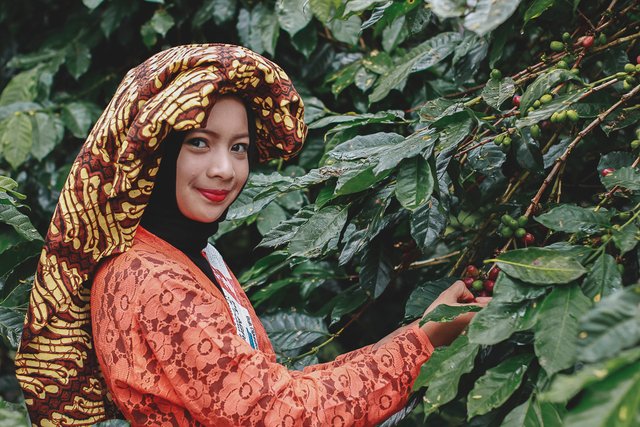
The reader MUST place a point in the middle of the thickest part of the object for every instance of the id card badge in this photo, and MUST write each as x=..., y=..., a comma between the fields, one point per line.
x=241, y=316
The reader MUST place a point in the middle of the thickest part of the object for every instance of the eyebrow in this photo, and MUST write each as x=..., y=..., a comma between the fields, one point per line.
x=217, y=135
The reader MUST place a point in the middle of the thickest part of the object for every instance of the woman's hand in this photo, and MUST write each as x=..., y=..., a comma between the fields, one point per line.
x=443, y=333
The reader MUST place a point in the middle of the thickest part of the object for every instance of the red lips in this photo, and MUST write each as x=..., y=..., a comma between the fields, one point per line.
x=214, y=195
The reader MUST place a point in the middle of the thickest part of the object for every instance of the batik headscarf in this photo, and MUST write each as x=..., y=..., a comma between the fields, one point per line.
x=103, y=199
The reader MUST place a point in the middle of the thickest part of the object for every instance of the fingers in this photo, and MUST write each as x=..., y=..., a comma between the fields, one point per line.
x=463, y=294
x=483, y=301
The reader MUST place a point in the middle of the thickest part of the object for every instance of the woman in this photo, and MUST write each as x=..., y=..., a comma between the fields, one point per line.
x=176, y=339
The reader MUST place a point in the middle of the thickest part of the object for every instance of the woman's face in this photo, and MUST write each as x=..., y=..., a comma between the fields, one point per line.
x=213, y=163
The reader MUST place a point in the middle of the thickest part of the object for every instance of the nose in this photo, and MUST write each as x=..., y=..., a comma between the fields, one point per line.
x=221, y=165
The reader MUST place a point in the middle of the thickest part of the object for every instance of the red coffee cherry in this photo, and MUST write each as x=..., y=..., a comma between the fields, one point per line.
x=529, y=239
x=493, y=273
x=607, y=171
x=588, y=41
x=472, y=271
x=488, y=285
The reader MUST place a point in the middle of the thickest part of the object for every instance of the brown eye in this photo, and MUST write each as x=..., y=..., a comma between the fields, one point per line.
x=196, y=142
x=240, y=148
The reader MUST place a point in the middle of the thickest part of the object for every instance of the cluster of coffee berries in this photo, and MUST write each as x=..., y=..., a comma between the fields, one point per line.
x=516, y=227
x=479, y=285
x=629, y=74
x=503, y=141
x=544, y=99
x=562, y=116
x=635, y=144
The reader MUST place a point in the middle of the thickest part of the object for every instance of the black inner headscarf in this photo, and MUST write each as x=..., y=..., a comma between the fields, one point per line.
x=162, y=216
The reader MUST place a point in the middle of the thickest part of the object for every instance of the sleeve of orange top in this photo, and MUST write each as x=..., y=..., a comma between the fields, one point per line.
x=222, y=381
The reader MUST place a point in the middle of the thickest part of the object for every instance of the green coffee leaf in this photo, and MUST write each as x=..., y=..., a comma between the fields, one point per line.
x=322, y=230
x=611, y=402
x=540, y=266
x=284, y=232
x=162, y=22
x=496, y=92
x=556, y=331
x=573, y=219
x=48, y=131
x=375, y=274
x=566, y=386
x=23, y=87
x=446, y=313
x=536, y=9
x=486, y=15
x=11, y=321
x=442, y=372
x=414, y=183
x=499, y=320
x=421, y=57
x=16, y=139
x=269, y=217
x=626, y=238
x=77, y=59
x=292, y=15
x=603, y=278
x=496, y=386
x=78, y=118
x=612, y=326
x=533, y=413
x=626, y=177
x=423, y=296
x=20, y=222
x=293, y=330
x=427, y=223
x=510, y=290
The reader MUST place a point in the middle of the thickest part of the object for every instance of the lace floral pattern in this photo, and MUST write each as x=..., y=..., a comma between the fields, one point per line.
x=170, y=355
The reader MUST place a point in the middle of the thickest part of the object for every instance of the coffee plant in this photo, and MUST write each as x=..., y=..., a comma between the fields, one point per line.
x=493, y=141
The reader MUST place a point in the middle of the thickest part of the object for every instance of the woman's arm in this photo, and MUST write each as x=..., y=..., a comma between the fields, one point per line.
x=222, y=381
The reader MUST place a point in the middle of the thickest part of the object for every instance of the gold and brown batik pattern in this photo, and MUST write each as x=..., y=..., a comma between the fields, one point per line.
x=105, y=195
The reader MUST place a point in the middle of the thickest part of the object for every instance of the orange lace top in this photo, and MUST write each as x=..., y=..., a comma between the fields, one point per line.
x=170, y=354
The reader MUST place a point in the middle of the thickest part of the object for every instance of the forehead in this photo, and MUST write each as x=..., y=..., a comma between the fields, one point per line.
x=228, y=112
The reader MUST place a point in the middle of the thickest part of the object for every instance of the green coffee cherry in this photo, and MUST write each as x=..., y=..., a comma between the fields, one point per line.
x=566, y=37
x=556, y=46
x=554, y=117
x=602, y=38
x=635, y=144
x=562, y=116
x=477, y=285
x=496, y=74
x=536, y=104
x=506, y=218
x=624, y=215
x=513, y=224
x=626, y=85
x=630, y=68
x=506, y=231
x=573, y=115
x=562, y=64
x=520, y=232
x=498, y=139
x=523, y=220
x=506, y=142
x=546, y=98
x=535, y=131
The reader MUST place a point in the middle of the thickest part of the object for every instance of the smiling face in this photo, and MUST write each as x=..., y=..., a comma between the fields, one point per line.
x=213, y=163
